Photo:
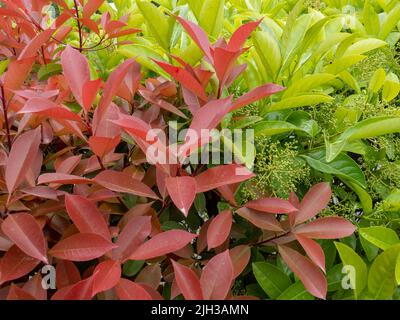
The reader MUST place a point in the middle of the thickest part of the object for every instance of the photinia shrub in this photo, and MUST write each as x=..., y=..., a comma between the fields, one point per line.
x=90, y=189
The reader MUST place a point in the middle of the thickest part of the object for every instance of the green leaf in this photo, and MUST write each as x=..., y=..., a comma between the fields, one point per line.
x=48, y=70
x=132, y=267
x=307, y=83
x=211, y=17
x=381, y=237
x=271, y=279
x=344, y=63
x=370, y=250
x=389, y=23
x=296, y=292
x=269, y=52
x=298, y=101
x=343, y=166
x=200, y=202
x=377, y=80
x=334, y=277
x=270, y=128
x=382, y=274
x=3, y=65
x=350, y=258
x=158, y=23
x=368, y=128
x=370, y=19
x=364, y=45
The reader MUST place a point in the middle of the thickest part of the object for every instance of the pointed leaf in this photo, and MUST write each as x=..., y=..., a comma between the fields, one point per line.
x=163, y=243
x=326, y=228
x=187, y=281
x=222, y=175
x=313, y=250
x=216, y=278
x=81, y=247
x=85, y=215
x=219, y=229
x=26, y=233
x=122, y=182
x=106, y=276
x=23, y=150
x=271, y=205
x=182, y=191
x=311, y=276
x=315, y=200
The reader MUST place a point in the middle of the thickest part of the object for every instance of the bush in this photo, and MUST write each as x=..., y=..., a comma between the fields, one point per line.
x=199, y=150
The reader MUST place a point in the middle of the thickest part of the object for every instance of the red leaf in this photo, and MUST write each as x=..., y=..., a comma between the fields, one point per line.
x=163, y=243
x=217, y=276
x=26, y=233
x=326, y=228
x=150, y=275
x=222, y=175
x=224, y=63
x=185, y=78
x=313, y=250
x=91, y=7
x=132, y=236
x=32, y=48
x=256, y=94
x=182, y=191
x=16, y=293
x=85, y=215
x=129, y=290
x=62, y=178
x=81, y=247
x=49, y=109
x=210, y=115
x=133, y=125
x=188, y=282
x=103, y=145
x=106, y=276
x=198, y=35
x=260, y=219
x=89, y=92
x=110, y=88
x=83, y=290
x=122, y=182
x=311, y=276
x=315, y=200
x=271, y=205
x=219, y=229
x=240, y=36
x=23, y=150
x=66, y=274
x=240, y=256
x=76, y=71
x=35, y=288
x=15, y=264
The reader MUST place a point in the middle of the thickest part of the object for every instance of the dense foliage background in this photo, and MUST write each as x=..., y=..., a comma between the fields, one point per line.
x=316, y=210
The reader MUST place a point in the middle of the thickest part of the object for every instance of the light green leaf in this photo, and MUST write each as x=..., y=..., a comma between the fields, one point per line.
x=296, y=292
x=211, y=17
x=299, y=101
x=270, y=128
x=158, y=23
x=343, y=63
x=377, y=80
x=350, y=258
x=382, y=274
x=307, y=83
x=380, y=236
x=273, y=281
x=269, y=52
x=389, y=23
x=364, y=46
